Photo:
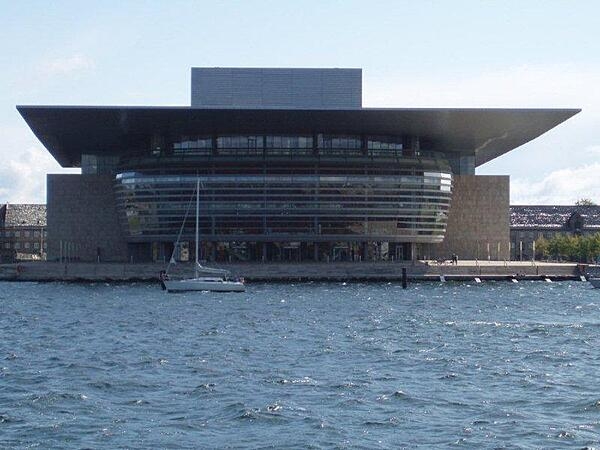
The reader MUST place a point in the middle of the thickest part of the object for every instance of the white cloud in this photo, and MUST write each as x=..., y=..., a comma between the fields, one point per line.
x=66, y=65
x=593, y=150
x=24, y=176
x=26, y=163
x=561, y=187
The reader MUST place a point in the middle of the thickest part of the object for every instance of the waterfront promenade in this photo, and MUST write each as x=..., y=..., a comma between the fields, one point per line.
x=310, y=271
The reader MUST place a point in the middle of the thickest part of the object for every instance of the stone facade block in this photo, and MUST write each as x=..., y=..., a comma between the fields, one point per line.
x=82, y=219
x=478, y=219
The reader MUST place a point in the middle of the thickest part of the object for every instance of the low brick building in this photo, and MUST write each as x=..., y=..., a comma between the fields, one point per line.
x=529, y=223
x=22, y=232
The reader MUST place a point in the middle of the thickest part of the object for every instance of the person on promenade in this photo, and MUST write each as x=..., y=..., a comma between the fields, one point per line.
x=454, y=259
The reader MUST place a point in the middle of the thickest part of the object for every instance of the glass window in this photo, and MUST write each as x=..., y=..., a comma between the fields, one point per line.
x=89, y=164
x=240, y=145
x=17, y=234
x=385, y=146
x=27, y=245
x=339, y=145
x=17, y=245
x=225, y=142
x=94, y=164
x=7, y=245
x=195, y=145
x=36, y=245
x=287, y=145
x=26, y=234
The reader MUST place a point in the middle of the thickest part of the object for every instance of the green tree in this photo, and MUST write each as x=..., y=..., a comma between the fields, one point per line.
x=583, y=249
x=562, y=246
x=542, y=248
x=584, y=202
x=554, y=247
x=573, y=247
x=594, y=247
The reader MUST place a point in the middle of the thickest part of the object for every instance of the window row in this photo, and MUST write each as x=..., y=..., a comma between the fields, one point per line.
x=324, y=141
x=19, y=233
x=23, y=245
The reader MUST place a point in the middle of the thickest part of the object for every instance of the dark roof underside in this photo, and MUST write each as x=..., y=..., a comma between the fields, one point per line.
x=69, y=131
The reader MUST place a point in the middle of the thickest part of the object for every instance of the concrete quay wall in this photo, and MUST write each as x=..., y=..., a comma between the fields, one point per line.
x=367, y=271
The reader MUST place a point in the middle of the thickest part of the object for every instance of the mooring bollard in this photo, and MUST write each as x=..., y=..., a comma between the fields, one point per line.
x=404, y=280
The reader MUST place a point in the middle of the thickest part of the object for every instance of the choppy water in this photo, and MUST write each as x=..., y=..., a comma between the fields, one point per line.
x=300, y=366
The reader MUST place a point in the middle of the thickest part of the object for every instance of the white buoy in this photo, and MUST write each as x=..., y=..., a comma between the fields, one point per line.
x=547, y=280
x=477, y=280
x=442, y=278
x=514, y=280
x=582, y=278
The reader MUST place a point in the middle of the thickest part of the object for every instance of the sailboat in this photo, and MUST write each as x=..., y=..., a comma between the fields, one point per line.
x=205, y=278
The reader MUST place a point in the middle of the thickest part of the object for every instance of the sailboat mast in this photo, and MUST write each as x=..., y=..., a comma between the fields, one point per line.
x=197, y=223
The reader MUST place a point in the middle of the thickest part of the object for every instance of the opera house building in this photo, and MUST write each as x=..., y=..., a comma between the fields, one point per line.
x=290, y=166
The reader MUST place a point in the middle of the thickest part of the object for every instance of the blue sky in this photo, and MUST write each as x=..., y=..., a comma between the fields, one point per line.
x=413, y=54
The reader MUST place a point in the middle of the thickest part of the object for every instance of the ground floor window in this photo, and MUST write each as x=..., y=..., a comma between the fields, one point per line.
x=283, y=251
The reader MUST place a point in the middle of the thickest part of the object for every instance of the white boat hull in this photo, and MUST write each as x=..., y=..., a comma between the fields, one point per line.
x=193, y=284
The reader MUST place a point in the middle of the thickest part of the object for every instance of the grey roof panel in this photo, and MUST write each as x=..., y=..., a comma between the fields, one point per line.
x=231, y=87
x=22, y=215
x=552, y=216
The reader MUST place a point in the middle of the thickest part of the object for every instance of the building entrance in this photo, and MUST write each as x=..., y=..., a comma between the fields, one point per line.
x=403, y=251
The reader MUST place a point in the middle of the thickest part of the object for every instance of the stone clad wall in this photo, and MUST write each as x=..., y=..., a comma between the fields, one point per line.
x=479, y=215
x=82, y=212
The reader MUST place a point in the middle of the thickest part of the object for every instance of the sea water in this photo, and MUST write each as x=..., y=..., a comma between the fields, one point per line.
x=311, y=365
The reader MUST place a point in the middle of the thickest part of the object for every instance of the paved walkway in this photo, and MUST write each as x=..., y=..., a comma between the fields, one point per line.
x=374, y=271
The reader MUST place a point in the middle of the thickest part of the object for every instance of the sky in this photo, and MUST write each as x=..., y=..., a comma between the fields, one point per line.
x=452, y=53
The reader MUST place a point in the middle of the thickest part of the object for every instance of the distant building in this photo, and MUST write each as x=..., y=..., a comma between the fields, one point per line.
x=22, y=232
x=529, y=223
x=291, y=167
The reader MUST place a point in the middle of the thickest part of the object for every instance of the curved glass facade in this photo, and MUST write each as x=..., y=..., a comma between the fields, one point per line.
x=406, y=208
x=329, y=189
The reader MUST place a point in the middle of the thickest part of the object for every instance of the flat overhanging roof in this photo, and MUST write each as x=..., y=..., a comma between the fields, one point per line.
x=69, y=131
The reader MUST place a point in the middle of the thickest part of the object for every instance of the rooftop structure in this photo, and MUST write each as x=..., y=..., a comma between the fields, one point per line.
x=22, y=215
x=555, y=217
x=225, y=87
